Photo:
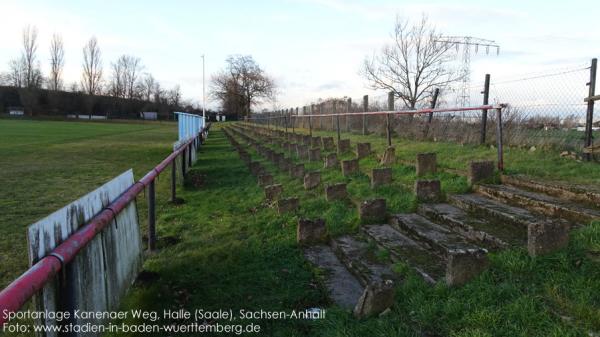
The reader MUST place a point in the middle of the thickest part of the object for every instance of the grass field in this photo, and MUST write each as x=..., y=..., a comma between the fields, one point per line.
x=45, y=165
x=230, y=249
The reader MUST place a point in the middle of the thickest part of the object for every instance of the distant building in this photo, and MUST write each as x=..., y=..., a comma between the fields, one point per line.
x=149, y=115
x=16, y=111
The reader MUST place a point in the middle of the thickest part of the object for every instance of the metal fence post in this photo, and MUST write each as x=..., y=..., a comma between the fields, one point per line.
x=183, y=161
x=434, y=98
x=387, y=119
x=174, y=181
x=590, y=109
x=364, y=117
x=337, y=118
x=486, y=96
x=499, y=139
x=151, y=217
x=348, y=108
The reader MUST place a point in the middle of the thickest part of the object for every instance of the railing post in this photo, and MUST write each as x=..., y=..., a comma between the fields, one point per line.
x=151, y=217
x=337, y=120
x=388, y=116
x=499, y=139
x=434, y=98
x=364, y=117
x=348, y=108
x=590, y=109
x=486, y=96
x=183, y=161
x=174, y=180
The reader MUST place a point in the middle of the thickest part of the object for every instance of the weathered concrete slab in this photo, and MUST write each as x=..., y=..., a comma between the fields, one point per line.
x=376, y=298
x=402, y=248
x=354, y=252
x=491, y=235
x=589, y=194
x=297, y=171
x=342, y=286
x=438, y=237
x=539, y=203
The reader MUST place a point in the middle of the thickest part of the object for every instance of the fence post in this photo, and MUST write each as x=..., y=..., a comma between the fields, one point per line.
x=499, y=139
x=434, y=98
x=387, y=117
x=321, y=118
x=590, y=109
x=348, y=108
x=486, y=96
x=174, y=180
x=310, y=121
x=364, y=117
x=151, y=217
x=337, y=118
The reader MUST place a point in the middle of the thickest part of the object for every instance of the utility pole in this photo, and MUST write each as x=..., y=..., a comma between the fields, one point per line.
x=203, y=92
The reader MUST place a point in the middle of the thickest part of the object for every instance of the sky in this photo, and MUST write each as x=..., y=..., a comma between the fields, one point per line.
x=312, y=48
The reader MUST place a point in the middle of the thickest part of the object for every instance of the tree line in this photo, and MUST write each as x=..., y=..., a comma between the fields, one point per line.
x=126, y=77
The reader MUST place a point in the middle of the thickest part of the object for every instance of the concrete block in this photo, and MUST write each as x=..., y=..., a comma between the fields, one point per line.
x=314, y=155
x=272, y=192
x=331, y=160
x=372, y=211
x=265, y=180
x=376, y=298
x=297, y=171
x=311, y=231
x=363, y=150
x=343, y=145
x=328, y=143
x=312, y=180
x=336, y=192
x=428, y=190
x=463, y=265
x=381, y=176
x=426, y=164
x=547, y=237
x=349, y=167
x=287, y=205
x=480, y=171
x=389, y=156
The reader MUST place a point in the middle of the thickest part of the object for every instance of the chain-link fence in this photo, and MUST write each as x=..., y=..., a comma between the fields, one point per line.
x=544, y=110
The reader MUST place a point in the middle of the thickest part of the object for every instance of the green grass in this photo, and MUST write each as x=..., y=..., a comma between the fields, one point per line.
x=47, y=164
x=236, y=252
x=233, y=251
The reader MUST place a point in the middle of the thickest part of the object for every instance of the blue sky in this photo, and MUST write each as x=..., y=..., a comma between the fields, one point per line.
x=313, y=48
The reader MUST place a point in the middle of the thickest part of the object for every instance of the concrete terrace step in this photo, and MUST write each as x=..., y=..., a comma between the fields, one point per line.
x=490, y=234
x=539, y=203
x=587, y=194
x=402, y=248
x=440, y=238
x=359, y=258
x=343, y=288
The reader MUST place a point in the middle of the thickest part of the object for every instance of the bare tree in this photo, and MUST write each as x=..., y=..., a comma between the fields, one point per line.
x=242, y=84
x=57, y=62
x=174, y=96
x=413, y=65
x=116, y=86
x=133, y=68
x=16, y=73
x=33, y=73
x=147, y=87
x=92, y=67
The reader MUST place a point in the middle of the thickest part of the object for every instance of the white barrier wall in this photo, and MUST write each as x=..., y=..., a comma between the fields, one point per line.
x=189, y=125
x=102, y=272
